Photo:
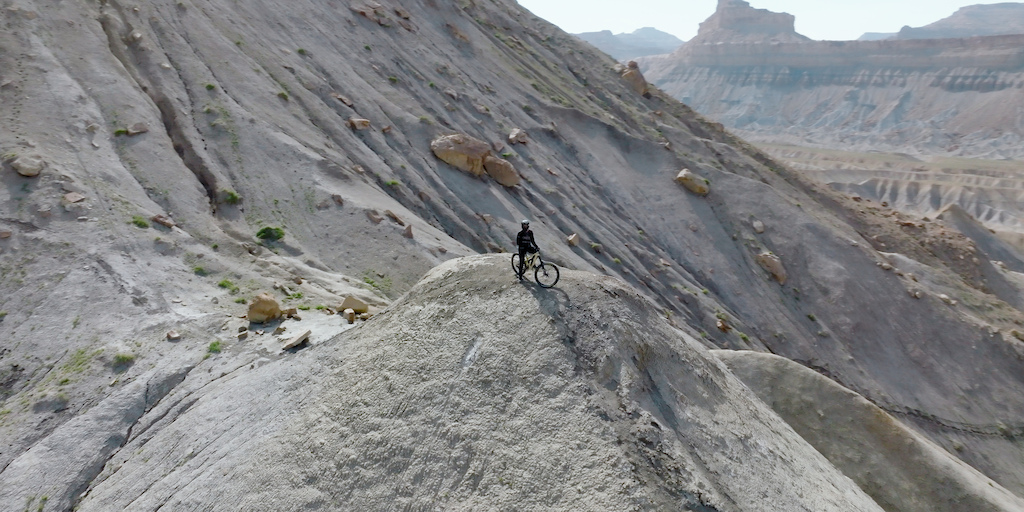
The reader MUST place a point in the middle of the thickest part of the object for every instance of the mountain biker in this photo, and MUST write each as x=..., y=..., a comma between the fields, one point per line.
x=526, y=245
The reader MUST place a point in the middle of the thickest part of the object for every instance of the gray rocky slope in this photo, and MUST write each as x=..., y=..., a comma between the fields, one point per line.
x=246, y=108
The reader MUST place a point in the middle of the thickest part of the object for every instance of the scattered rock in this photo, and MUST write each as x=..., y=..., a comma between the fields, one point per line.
x=297, y=340
x=137, y=129
x=5, y=233
x=28, y=165
x=163, y=220
x=74, y=197
x=517, y=135
x=693, y=182
x=722, y=325
x=573, y=240
x=636, y=79
x=290, y=312
x=243, y=329
x=45, y=211
x=347, y=102
x=173, y=335
x=665, y=263
x=358, y=123
x=350, y=315
x=386, y=129
x=366, y=316
x=394, y=216
x=252, y=249
x=402, y=13
x=408, y=231
x=338, y=199
x=263, y=308
x=242, y=335
x=885, y=266
x=915, y=294
x=452, y=94
x=354, y=304
x=502, y=171
x=461, y=151
x=488, y=218
x=374, y=216
x=945, y=298
x=758, y=227
x=442, y=250
x=773, y=264
x=280, y=330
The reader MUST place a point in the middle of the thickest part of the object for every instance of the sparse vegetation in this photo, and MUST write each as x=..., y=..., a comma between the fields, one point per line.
x=3, y=314
x=140, y=221
x=241, y=300
x=811, y=317
x=301, y=51
x=431, y=85
x=123, y=359
x=392, y=183
x=199, y=271
x=210, y=87
x=214, y=348
x=270, y=233
x=76, y=321
x=303, y=307
x=744, y=337
x=616, y=261
x=367, y=47
x=283, y=95
x=228, y=285
x=230, y=196
x=506, y=155
x=705, y=291
x=321, y=307
x=393, y=79
x=120, y=132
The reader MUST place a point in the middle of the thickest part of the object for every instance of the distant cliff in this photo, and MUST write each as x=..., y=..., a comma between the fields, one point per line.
x=972, y=21
x=640, y=43
x=956, y=96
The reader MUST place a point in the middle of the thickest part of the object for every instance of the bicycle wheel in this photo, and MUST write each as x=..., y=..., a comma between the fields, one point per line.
x=515, y=263
x=546, y=275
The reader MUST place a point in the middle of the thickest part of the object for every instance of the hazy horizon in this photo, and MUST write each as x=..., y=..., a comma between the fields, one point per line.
x=836, y=20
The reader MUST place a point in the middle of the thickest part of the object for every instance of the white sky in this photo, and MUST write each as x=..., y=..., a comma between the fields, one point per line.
x=818, y=19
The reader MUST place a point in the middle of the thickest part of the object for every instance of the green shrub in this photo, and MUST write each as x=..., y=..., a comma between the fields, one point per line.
x=302, y=51
x=283, y=95
x=392, y=183
x=214, y=347
x=393, y=79
x=123, y=359
x=811, y=317
x=303, y=307
x=199, y=271
x=140, y=221
x=230, y=196
x=270, y=233
x=120, y=132
x=241, y=300
x=210, y=87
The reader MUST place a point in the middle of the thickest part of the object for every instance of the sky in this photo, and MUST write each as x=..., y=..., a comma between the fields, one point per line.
x=834, y=20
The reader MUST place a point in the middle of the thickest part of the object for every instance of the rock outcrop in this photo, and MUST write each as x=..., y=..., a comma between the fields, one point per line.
x=972, y=21
x=694, y=183
x=501, y=170
x=636, y=80
x=264, y=308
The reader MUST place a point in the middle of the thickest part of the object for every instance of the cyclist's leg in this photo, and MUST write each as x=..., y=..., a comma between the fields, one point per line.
x=522, y=263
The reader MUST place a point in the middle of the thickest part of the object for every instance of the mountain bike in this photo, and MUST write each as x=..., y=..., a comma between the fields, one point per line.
x=546, y=274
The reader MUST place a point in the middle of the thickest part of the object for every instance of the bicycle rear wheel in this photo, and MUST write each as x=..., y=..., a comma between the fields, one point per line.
x=546, y=275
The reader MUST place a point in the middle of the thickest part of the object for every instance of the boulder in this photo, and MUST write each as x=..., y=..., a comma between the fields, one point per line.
x=28, y=165
x=501, y=170
x=173, y=335
x=573, y=240
x=773, y=264
x=354, y=304
x=636, y=79
x=137, y=129
x=297, y=340
x=461, y=151
x=163, y=220
x=264, y=308
x=358, y=123
x=408, y=231
x=694, y=183
x=758, y=227
x=350, y=315
x=517, y=135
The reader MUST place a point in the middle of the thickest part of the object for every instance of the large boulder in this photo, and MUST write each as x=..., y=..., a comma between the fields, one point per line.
x=354, y=304
x=694, y=183
x=773, y=264
x=501, y=170
x=264, y=308
x=462, y=151
x=636, y=79
x=28, y=165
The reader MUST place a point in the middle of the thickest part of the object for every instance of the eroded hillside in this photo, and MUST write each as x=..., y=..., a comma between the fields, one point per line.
x=317, y=118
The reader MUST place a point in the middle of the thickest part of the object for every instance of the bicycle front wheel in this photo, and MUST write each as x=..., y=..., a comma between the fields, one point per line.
x=515, y=263
x=546, y=275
